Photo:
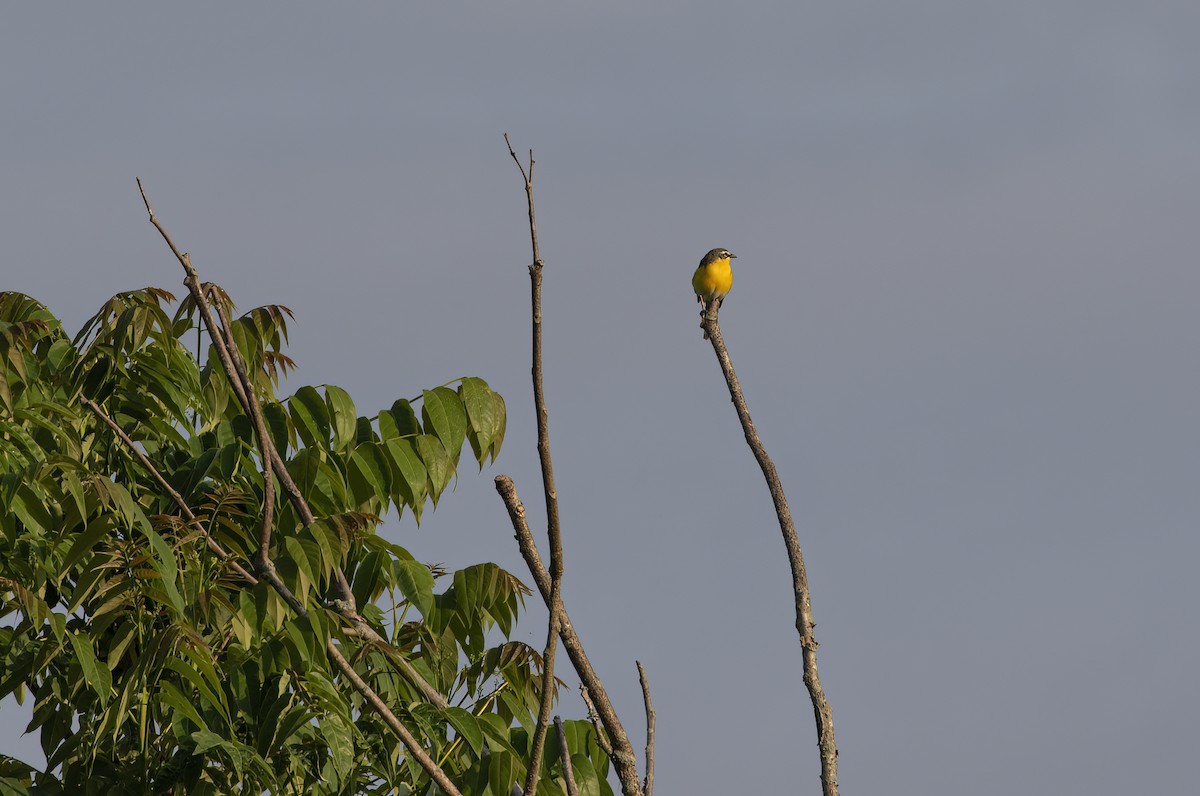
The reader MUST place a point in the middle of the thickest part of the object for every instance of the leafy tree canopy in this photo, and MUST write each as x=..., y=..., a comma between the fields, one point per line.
x=156, y=667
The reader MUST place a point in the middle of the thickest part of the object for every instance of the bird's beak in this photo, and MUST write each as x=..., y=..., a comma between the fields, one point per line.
x=732, y=256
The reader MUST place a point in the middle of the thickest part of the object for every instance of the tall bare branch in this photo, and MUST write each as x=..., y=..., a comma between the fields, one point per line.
x=623, y=757
x=553, y=527
x=822, y=713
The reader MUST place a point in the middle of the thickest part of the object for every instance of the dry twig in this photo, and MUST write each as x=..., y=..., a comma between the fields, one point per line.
x=804, y=617
x=565, y=755
x=594, y=718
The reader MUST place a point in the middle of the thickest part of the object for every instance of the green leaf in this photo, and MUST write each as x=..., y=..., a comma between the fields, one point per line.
x=443, y=413
x=502, y=772
x=329, y=697
x=519, y=708
x=467, y=727
x=292, y=723
x=341, y=744
x=164, y=563
x=416, y=584
x=310, y=416
x=496, y=731
x=585, y=776
x=206, y=740
x=403, y=419
x=74, y=487
x=203, y=665
x=369, y=474
x=31, y=509
x=279, y=426
x=501, y=415
x=408, y=474
x=189, y=478
x=365, y=584
x=129, y=510
x=172, y=696
x=59, y=351
x=97, y=676
x=96, y=530
x=437, y=464
x=487, y=416
x=345, y=420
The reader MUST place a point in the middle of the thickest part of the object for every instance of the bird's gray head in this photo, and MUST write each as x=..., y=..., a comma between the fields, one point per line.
x=718, y=254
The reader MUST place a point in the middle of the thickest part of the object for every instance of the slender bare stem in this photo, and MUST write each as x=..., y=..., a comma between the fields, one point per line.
x=565, y=755
x=539, y=396
x=822, y=712
x=268, y=518
x=538, y=746
x=594, y=718
x=648, y=783
x=553, y=525
x=192, y=281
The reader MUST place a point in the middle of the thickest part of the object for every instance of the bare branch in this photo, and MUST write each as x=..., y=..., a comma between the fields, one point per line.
x=648, y=784
x=565, y=754
x=553, y=525
x=538, y=747
x=804, y=616
x=594, y=718
x=268, y=518
x=528, y=178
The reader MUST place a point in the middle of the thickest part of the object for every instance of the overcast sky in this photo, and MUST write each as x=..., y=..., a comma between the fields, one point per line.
x=964, y=319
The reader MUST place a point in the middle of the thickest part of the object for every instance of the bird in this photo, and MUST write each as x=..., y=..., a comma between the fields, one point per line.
x=713, y=278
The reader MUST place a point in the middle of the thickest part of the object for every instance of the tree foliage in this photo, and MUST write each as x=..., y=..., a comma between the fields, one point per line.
x=154, y=667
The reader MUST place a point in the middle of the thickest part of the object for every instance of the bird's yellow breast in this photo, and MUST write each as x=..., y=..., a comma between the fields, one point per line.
x=713, y=280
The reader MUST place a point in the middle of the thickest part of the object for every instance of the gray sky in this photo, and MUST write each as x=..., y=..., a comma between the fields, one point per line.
x=964, y=320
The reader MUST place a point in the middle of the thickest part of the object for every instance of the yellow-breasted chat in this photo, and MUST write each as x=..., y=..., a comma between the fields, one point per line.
x=713, y=278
